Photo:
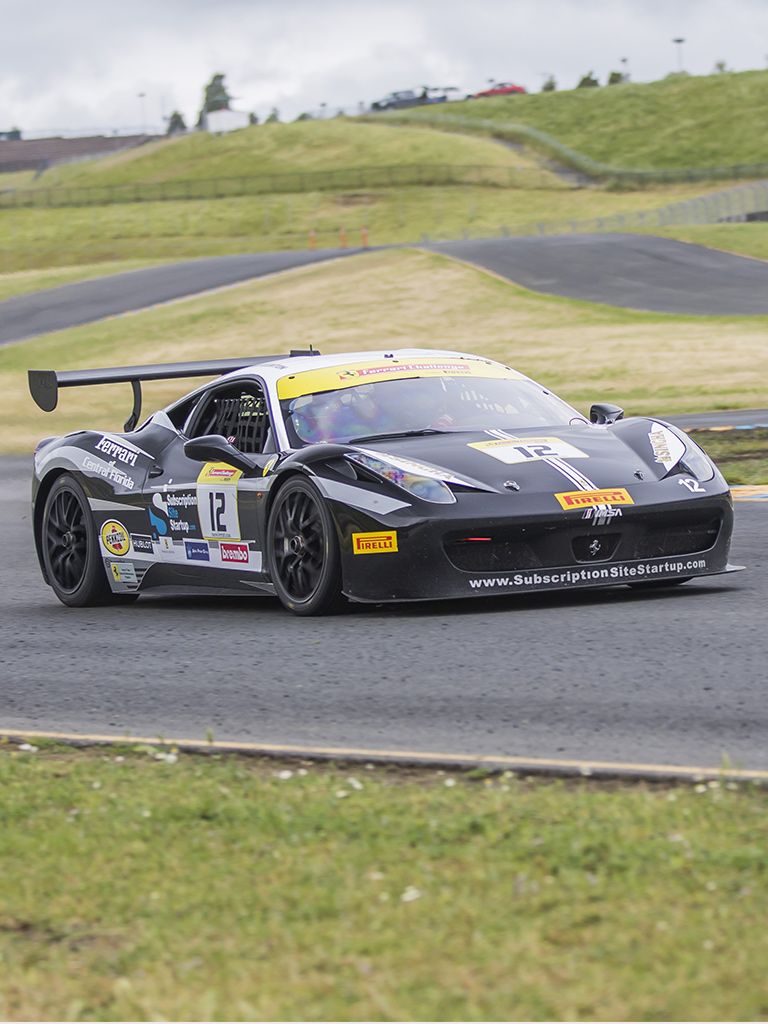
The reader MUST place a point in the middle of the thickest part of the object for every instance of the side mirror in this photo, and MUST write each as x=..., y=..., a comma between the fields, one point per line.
x=215, y=448
x=604, y=412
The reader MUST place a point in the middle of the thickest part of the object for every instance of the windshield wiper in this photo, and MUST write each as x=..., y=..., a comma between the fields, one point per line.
x=399, y=433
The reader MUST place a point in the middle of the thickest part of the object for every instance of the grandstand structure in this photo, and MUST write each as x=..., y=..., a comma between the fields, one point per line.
x=39, y=154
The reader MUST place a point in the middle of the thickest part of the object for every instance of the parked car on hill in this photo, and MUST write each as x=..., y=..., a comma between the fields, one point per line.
x=500, y=89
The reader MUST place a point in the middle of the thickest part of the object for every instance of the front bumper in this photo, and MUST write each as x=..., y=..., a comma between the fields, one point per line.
x=470, y=549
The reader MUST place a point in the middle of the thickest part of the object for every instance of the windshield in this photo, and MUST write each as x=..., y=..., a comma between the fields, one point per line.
x=421, y=404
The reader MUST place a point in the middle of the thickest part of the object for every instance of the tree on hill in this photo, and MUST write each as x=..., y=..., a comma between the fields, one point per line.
x=274, y=116
x=550, y=85
x=615, y=78
x=304, y=117
x=253, y=118
x=588, y=81
x=721, y=68
x=215, y=97
x=176, y=123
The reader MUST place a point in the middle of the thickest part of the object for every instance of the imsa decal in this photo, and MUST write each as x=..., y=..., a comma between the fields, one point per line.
x=374, y=543
x=585, y=499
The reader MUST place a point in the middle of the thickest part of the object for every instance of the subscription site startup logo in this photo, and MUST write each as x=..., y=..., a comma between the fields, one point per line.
x=605, y=574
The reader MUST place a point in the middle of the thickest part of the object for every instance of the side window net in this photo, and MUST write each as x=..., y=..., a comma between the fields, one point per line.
x=243, y=419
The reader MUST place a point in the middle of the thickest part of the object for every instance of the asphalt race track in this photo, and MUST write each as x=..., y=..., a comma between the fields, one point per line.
x=635, y=271
x=54, y=309
x=676, y=678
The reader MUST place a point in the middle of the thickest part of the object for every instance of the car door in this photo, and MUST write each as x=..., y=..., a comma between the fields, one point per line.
x=205, y=518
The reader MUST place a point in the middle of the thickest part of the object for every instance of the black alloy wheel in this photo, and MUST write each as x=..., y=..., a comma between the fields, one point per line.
x=303, y=550
x=70, y=548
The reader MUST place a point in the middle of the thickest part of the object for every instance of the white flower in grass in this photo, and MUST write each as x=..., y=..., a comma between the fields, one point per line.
x=341, y=793
x=355, y=784
x=376, y=876
x=302, y=771
x=449, y=783
x=284, y=774
x=700, y=787
x=410, y=894
x=28, y=748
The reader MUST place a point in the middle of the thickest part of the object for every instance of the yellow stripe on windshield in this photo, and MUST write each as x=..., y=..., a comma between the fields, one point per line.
x=334, y=378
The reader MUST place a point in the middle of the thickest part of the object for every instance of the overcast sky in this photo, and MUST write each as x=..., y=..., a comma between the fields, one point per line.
x=80, y=65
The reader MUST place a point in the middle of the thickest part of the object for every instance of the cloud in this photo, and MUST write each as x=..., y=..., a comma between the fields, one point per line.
x=83, y=65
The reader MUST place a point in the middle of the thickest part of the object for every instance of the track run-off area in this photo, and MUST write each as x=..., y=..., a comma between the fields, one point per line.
x=611, y=680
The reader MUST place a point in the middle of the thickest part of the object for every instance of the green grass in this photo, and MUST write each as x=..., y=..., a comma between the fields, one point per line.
x=689, y=122
x=646, y=362
x=38, y=238
x=744, y=239
x=208, y=888
x=306, y=146
x=741, y=455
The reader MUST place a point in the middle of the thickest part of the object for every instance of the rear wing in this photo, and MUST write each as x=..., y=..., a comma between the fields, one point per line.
x=44, y=384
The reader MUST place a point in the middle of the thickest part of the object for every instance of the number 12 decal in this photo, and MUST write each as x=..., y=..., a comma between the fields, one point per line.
x=217, y=502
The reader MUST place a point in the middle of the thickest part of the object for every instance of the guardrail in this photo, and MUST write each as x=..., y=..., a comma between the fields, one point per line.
x=526, y=134
x=342, y=179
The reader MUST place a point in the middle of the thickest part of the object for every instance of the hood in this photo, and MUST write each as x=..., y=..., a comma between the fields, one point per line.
x=549, y=459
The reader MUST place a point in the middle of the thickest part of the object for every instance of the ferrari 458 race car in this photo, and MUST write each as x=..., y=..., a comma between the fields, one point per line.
x=374, y=476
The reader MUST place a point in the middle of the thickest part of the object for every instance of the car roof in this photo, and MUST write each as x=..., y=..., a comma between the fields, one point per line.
x=272, y=371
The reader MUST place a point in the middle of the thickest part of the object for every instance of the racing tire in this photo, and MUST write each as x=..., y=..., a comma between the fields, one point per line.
x=69, y=545
x=660, y=584
x=303, y=551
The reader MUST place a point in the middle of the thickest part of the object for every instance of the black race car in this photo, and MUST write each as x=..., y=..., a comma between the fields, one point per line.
x=374, y=476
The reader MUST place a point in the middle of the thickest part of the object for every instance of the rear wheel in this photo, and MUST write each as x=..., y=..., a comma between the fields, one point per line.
x=660, y=584
x=303, y=551
x=70, y=548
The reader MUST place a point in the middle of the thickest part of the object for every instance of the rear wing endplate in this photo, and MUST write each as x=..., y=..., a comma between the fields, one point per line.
x=44, y=384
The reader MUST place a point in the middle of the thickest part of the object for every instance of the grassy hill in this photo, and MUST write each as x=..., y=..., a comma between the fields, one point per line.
x=304, y=146
x=687, y=122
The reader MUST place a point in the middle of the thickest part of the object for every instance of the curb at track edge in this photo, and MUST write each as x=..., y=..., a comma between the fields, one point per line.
x=544, y=767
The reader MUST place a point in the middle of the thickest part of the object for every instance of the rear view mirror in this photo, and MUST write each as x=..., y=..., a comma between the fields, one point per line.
x=215, y=448
x=604, y=412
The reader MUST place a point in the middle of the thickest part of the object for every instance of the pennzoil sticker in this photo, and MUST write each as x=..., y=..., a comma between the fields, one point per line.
x=374, y=543
x=115, y=538
x=583, y=499
x=528, y=449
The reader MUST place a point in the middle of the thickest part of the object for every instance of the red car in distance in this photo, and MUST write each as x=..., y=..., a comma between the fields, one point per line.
x=500, y=89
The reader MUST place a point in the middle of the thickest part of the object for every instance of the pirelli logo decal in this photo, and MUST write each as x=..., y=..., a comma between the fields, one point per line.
x=374, y=543
x=584, y=499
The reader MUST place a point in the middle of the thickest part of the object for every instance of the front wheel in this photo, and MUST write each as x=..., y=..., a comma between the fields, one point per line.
x=303, y=550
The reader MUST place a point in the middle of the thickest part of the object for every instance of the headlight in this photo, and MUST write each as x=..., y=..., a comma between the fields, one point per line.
x=427, y=488
x=677, y=453
x=696, y=462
